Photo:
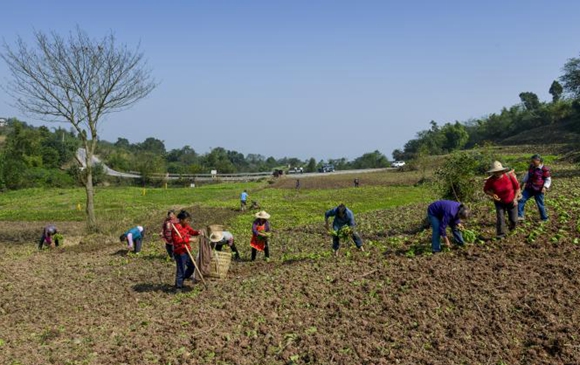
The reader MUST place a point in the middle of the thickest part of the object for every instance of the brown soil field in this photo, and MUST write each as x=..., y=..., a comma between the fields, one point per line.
x=514, y=301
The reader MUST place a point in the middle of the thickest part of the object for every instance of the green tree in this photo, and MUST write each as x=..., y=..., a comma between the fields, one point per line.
x=370, y=160
x=311, y=167
x=571, y=77
x=153, y=145
x=123, y=143
x=398, y=155
x=556, y=91
x=456, y=136
x=530, y=101
x=78, y=80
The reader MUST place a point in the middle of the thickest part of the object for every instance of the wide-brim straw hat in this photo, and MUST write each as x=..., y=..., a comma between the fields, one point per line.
x=216, y=237
x=262, y=215
x=496, y=166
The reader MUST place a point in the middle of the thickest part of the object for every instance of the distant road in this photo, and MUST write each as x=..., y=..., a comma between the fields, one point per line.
x=81, y=156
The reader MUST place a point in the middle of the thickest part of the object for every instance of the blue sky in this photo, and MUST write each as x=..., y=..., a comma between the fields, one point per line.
x=323, y=79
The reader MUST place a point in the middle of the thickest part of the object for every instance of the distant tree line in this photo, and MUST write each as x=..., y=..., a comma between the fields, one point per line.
x=563, y=109
x=38, y=156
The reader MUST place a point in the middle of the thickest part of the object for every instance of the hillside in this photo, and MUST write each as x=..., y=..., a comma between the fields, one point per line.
x=557, y=133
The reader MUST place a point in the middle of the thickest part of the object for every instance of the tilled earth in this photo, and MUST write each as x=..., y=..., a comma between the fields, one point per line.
x=514, y=301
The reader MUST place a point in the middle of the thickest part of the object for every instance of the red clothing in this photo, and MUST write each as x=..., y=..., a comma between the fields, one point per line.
x=259, y=242
x=537, y=176
x=181, y=240
x=166, y=230
x=505, y=187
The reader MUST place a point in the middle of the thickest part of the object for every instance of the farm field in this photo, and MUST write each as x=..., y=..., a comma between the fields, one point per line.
x=513, y=301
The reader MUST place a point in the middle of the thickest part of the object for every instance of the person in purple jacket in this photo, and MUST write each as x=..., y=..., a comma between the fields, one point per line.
x=441, y=214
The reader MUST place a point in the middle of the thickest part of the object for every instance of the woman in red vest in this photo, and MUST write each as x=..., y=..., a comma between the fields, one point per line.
x=260, y=234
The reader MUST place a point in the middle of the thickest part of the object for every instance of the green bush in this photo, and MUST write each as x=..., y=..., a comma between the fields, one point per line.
x=456, y=179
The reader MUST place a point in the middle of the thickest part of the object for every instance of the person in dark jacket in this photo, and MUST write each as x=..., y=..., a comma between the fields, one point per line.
x=342, y=217
x=441, y=214
x=536, y=183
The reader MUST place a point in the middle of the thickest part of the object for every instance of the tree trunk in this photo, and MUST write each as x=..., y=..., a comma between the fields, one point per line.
x=90, y=209
x=89, y=188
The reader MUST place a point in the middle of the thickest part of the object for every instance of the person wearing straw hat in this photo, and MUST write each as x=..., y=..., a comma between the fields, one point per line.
x=260, y=234
x=221, y=238
x=503, y=187
x=342, y=217
x=180, y=236
x=537, y=182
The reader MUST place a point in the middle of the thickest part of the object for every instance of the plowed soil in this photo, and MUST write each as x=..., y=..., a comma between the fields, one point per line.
x=514, y=301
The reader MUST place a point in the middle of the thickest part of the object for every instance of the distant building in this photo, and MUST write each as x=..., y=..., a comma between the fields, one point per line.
x=3, y=122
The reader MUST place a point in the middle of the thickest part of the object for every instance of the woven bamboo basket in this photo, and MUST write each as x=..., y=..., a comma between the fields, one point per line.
x=219, y=264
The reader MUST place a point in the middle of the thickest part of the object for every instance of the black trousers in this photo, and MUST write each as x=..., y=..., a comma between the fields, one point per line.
x=218, y=247
x=512, y=212
x=266, y=252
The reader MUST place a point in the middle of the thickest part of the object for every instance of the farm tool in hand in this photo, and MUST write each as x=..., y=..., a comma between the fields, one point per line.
x=191, y=257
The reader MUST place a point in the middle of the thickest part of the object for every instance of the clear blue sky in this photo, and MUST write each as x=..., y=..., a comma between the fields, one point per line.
x=323, y=79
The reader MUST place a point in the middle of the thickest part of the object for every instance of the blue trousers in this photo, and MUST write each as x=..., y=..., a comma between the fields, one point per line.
x=184, y=269
x=538, y=197
x=436, y=238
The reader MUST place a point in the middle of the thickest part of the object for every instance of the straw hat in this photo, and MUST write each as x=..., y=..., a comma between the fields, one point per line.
x=216, y=237
x=262, y=215
x=496, y=166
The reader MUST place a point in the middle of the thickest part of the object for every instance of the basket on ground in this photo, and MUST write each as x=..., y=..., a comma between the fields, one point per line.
x=219, y=264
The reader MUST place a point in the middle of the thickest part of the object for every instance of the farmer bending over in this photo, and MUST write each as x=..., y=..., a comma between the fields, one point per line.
x=221, y=238
x=48, y=233
x=441, y=214
x=342, y=217
x=180, y=235
x=260, y=234
x=134, y=235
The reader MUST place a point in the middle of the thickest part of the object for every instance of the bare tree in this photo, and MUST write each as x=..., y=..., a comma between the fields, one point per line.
x=77, y=80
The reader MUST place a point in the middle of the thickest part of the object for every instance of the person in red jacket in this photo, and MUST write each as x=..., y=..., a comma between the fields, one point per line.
x=166, y=231
x=504, y=189
x=180, y=236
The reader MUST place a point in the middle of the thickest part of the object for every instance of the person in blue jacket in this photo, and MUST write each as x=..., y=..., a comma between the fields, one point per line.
x=443, y=213
x=134, y=238
x=342, y=217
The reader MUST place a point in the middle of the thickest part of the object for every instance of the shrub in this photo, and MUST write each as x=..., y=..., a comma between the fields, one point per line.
x=456, y=179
